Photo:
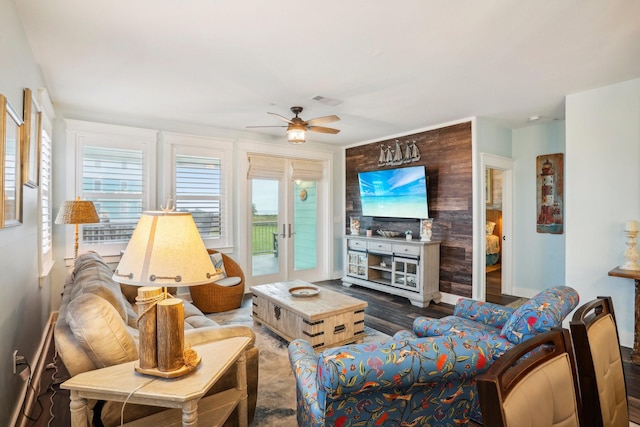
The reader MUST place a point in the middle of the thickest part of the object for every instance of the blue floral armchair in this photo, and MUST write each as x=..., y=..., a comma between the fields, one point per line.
x=420, y=378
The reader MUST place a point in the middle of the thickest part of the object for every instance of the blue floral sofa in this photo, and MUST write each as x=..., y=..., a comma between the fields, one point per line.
x=420, y=378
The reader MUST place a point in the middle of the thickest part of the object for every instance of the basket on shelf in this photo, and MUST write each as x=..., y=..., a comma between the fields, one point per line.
x=213, y=298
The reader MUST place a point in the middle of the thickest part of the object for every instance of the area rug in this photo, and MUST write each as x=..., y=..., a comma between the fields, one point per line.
x=276, y=406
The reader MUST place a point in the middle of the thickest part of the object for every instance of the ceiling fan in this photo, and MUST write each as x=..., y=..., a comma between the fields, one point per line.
x=297, y=127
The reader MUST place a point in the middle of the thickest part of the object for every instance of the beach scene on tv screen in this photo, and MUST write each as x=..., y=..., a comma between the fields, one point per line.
x=399, y=193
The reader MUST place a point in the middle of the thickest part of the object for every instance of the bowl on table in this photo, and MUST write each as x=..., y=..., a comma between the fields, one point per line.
x=387, y=233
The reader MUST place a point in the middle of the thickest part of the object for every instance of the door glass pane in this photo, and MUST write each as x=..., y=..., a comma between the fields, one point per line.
x=264, y=226
x=305, y=216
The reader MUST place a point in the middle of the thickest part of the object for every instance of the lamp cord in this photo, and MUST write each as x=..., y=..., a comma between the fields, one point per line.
x=127, y=399
x=52, y=387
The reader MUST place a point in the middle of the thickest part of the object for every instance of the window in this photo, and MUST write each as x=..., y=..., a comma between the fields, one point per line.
x=198, y=184
x=45, y=219
x=115, y=168
x=104, y=170
x=45, y=196
x=197, y=181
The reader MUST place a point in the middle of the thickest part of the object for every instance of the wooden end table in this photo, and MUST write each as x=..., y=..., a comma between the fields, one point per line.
x=635, y=275
x=123, y=384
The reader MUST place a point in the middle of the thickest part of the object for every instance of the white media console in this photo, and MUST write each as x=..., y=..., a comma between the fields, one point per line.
x=394, y=265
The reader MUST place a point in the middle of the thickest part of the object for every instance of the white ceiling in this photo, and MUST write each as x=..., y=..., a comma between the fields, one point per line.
x=396, y=66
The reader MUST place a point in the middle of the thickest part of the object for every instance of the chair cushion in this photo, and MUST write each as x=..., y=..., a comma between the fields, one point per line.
x=544, y=311
x=609, y=372
x=228, y=281
x=218, y=264
x=100, y=331
x=551, y=383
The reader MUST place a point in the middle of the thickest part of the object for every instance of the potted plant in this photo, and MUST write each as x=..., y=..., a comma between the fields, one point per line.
x=408, y=235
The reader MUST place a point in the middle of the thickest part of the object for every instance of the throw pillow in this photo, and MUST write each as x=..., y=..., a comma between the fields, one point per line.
x=544, y=311
x=92, y=275
x=490, y=226
x=100, y=331
x=218, y=264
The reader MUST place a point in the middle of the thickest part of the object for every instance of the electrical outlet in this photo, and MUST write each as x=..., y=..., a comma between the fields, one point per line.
x=17, y=359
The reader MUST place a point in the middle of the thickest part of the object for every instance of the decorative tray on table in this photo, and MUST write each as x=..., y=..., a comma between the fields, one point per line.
x=304, y=291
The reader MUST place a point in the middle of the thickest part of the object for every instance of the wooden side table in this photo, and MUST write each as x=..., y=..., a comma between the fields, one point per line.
x=123, y=384
x=635, y=275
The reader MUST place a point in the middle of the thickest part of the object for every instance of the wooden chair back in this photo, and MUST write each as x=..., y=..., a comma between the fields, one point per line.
x=599, y=361
x=533, y=384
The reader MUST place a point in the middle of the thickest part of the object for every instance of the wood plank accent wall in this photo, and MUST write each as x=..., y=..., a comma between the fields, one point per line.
x=446, y=154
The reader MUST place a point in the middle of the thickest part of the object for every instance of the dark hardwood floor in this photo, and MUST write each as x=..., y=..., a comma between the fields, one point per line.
x=494, y=287
x=386, y=313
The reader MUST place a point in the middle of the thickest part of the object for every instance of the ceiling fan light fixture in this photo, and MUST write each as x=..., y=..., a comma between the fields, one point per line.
x=296, y=133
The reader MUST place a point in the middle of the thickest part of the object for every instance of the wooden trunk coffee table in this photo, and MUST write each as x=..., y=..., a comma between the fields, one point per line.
x=325, y=319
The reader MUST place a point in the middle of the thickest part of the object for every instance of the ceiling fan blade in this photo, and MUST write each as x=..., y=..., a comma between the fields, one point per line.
x=280, y=117
x=321, y=120
x=267, y=126
x=322, y=129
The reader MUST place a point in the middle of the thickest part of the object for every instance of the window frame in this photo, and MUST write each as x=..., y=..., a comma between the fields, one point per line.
x=81, y=134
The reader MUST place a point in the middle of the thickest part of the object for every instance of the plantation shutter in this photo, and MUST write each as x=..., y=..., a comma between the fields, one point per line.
x=113, y=179
x=199, y=190
x=306, y=170
x=45, y=208
x=266, y=167
x=45, y=199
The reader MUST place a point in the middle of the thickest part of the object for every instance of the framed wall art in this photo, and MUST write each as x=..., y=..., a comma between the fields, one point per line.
x=10, y=168
x=550, y=193
x=31, y=141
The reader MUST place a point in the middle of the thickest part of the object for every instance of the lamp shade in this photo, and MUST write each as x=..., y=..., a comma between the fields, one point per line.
x=165, y=250
x=77, y=212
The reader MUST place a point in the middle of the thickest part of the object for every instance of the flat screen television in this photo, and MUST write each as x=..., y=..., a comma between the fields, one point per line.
x=394, y=193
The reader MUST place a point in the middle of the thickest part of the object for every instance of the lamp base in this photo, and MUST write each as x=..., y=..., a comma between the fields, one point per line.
x=185, y=369
x=630, y=265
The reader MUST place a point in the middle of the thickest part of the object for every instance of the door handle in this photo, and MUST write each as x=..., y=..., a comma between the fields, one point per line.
x=290, y=233
x=284, y=231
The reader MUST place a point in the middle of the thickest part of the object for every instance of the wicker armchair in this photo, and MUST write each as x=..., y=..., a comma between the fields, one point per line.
x=212, y=298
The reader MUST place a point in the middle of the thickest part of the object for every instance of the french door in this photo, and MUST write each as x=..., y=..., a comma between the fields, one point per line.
x=285, y=213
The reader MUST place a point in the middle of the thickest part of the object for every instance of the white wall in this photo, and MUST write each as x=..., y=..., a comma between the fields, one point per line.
x=539, y=258
x=26, y=304
x=603, y=191
x=492, y=138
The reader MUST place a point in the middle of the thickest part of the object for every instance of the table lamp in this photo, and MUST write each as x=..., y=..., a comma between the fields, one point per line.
x=631, y=254
x=77, y=212
x=165, y=250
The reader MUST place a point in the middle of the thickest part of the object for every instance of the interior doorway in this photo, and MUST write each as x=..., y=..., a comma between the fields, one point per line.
x=494, y=236
x=498, y=217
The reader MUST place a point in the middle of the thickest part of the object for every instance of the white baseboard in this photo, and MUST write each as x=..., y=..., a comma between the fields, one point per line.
x=449, y=298
x=28, y=394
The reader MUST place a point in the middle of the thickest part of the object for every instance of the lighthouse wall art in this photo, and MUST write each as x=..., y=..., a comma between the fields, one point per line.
x=549, y=193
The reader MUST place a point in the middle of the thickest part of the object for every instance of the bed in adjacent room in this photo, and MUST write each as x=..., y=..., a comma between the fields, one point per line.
x=493, y=236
